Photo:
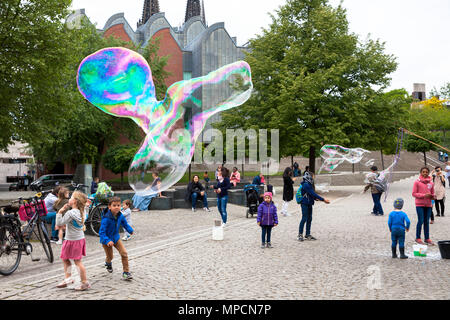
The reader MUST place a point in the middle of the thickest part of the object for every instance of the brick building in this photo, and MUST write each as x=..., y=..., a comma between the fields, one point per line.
x=195, y=49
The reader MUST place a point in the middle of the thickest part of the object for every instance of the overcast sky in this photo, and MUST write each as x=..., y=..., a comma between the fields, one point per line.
x=415, y=31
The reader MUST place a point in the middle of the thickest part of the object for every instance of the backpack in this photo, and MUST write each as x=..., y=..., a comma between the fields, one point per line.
x=298, y=195
x=443, y=182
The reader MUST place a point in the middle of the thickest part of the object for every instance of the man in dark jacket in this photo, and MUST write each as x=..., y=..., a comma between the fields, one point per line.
x=307, y=203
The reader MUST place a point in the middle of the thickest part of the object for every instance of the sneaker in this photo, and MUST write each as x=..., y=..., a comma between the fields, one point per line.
x=206, y=209
x=109, y=267
x=429, y=242
x=224, y=224
x=59, y=242
x=310, y=238
x=127, y=276
x=300, y=238
x=54, y=240
x=419, y=241
x=263, y=245
x=193, y=209
x=269, y=245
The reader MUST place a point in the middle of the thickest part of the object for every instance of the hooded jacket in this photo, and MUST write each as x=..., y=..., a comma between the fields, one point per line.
x=267, y=214
x=422, y=187
x=109, y=228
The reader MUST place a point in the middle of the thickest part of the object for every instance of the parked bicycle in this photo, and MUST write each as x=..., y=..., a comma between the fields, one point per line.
x=16, y=239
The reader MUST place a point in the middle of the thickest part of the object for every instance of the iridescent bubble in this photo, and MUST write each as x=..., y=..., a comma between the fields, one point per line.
x=119, y=82
x=335, y=155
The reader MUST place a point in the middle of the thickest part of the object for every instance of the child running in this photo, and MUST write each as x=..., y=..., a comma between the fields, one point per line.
x=126, y=211
x=75, y=245
x=109, y=236
x=267, y=219
x=398, y=222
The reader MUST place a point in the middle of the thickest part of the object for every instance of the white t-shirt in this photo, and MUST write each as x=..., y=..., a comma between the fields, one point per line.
x=447, y=173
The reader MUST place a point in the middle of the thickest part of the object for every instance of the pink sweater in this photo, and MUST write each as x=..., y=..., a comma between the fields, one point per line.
x=420, y=189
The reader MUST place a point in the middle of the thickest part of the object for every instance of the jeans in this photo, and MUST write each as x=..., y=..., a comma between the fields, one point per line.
x=195, y=196
x=398, y=235
x=440, y=207
x=266, y=231
x=51, y=218
x=377, y=208
x=423, y=216
x=222, y=206
x=306, y=218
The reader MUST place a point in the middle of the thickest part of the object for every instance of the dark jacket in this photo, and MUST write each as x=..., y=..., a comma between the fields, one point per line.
x=309, y=196
x=267, y=214
x=94, y=187
x=223, y=186
x=110, y=225
x=193, y=187
x=288, y=189
x=257, y=180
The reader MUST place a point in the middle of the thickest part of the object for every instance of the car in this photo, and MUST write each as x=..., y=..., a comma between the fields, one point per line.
x=49, y=181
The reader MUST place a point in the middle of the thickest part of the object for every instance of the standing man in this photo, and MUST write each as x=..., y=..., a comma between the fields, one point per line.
x=376, y=194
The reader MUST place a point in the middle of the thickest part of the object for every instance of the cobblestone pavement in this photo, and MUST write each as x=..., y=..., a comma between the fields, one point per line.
x=173, y=256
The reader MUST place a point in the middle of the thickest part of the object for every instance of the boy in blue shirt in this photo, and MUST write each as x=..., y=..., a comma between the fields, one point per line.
x=398, y=222
x=112, y=220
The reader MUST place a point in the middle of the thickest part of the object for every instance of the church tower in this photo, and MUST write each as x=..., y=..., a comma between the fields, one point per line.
x=150, y=8
x=195, y=8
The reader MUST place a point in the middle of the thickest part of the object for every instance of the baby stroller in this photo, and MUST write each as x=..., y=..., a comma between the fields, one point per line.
x=253, y=199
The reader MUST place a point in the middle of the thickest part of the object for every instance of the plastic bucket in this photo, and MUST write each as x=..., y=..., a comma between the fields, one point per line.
x=217, y=232
x=444, y=248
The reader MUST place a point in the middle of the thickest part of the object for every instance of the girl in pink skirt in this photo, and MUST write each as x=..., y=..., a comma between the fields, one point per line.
x=74, y=246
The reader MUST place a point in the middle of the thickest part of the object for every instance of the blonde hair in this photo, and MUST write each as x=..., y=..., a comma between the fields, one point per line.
x=61, y=196
x=81, y=200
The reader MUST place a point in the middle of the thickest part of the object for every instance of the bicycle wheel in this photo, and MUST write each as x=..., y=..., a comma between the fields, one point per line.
x=10, y=251
x=43, y=237
x=95, y=219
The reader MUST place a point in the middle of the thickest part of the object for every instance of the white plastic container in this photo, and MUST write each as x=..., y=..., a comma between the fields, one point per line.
x=217, y=232
x=420, y=250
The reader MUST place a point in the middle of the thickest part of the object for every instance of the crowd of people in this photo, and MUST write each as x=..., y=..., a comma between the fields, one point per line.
x=67, y=214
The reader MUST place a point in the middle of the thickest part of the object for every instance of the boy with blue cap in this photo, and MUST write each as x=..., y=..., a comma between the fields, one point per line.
x=398, y=222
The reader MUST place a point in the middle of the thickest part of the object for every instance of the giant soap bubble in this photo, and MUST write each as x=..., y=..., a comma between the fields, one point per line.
x=335, y=155
x=119, y=82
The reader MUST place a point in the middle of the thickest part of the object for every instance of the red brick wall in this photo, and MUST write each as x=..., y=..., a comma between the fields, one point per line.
x=118, y=32
x=169, y=47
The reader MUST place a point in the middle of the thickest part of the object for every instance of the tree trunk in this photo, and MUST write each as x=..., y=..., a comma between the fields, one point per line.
x=292, y=161
x=98, y=163
x=312, y=159
x=382, y=158
x=353, y=168
x=425, y=158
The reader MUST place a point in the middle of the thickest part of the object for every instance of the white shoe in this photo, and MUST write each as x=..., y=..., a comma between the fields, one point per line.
x=125, y=238
x=193, y=209
x=224, y=225
x=206, y=209
x=59, y=242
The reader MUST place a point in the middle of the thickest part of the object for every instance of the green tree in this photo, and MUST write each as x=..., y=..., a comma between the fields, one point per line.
x=414, y=144
x=34, y=54
x=118, y=159
x=314, y=80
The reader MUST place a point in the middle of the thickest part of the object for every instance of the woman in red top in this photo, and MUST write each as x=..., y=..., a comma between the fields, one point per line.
x=423, y=191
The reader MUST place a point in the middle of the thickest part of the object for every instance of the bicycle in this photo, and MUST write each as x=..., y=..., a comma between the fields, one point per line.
x=14, y=240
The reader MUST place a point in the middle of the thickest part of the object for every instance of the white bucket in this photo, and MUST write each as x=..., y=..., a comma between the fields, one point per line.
x=217, y=232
